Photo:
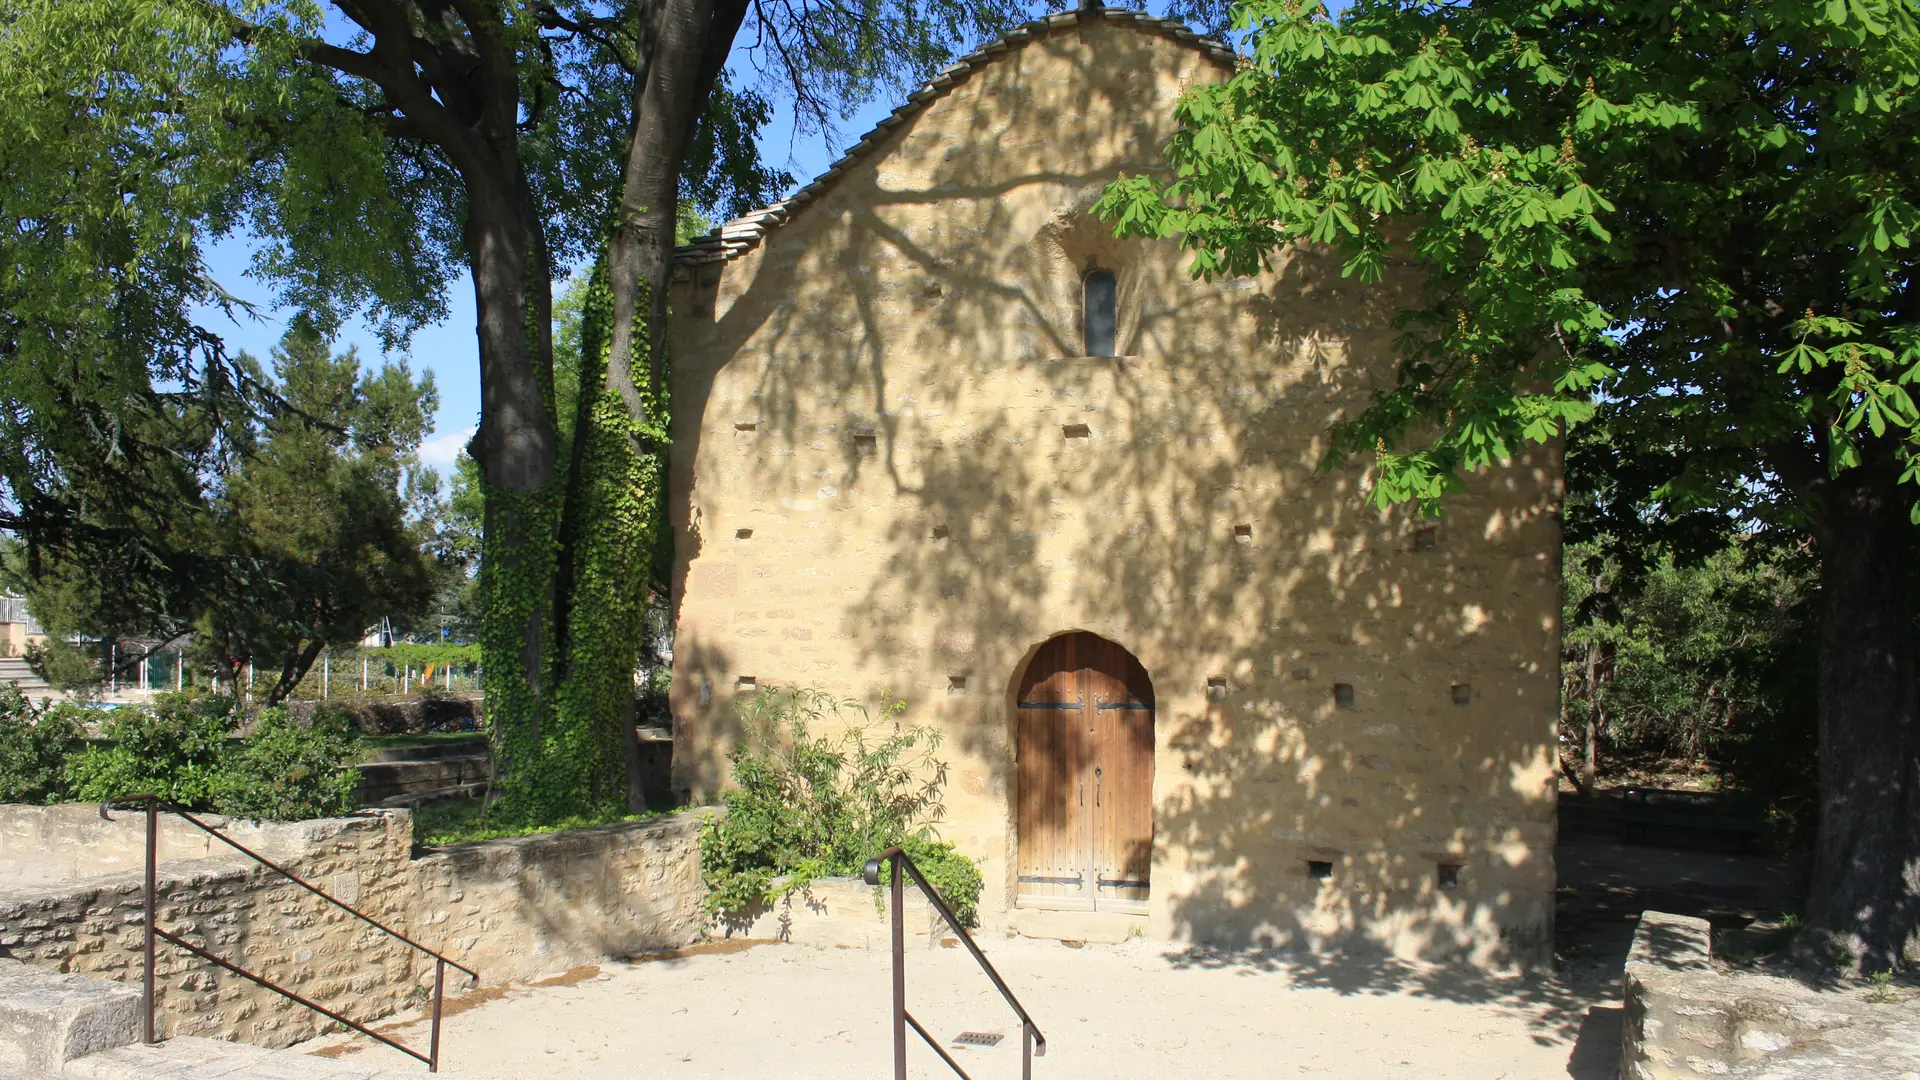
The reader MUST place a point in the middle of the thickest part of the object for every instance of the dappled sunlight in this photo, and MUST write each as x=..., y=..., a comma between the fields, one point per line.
x=893, y=472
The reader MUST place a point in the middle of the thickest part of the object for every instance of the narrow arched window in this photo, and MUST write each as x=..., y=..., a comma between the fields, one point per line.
x=1097, y=312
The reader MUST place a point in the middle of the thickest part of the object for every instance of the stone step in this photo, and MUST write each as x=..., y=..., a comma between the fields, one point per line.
x=15, y=670
x=48, y=1019
x=186, y=1057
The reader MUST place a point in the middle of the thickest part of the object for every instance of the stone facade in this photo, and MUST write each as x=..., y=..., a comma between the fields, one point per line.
x=893, y=471
x=510, y=909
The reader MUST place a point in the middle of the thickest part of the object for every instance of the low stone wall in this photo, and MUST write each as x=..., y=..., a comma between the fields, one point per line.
x=1687, y=1019
x=508, y=908
x=47, y=844
x=236, y=909
x=532, y=905
x=843, y=913
x=406, y=714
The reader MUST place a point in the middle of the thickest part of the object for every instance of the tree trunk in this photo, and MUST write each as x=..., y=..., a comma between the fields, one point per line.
x=1863, y=906
x=517, y=449
x=614, y=506
x=295, y=668
x=1590, y=766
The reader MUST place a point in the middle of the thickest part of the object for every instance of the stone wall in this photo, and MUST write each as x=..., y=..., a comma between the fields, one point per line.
x=530, y=905
x=1686, y=1019
x=42, y=844
x=892, y=471
x=511, y=909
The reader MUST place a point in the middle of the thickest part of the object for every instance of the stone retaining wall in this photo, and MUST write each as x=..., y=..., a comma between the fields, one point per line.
x=45, y=844
x=530, y=905
x=1687, y=1019
x=509, y=908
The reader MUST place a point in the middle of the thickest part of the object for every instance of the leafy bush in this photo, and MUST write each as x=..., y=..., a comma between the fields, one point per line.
x=172, y=750
x=34, y=744
x=182, y=750
x=286, y=770
x=809, y=806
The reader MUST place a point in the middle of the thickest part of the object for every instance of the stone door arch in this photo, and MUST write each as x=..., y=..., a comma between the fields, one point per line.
x=1084, y=774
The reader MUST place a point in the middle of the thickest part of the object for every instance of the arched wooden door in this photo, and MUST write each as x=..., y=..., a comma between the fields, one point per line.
x=1084, y=758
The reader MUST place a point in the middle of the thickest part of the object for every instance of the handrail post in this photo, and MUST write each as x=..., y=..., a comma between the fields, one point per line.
x=1026, y=1051
x=439, y=983
x=899, y=974
x=150, y=904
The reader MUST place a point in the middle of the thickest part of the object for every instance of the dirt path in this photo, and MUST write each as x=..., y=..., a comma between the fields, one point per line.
x=1110, y=1012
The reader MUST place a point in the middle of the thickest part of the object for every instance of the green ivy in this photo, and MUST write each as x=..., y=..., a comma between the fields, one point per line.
x=535, y=778
x=615, y=502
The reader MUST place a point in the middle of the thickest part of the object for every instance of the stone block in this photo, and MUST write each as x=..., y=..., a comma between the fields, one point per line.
x=1685, y=1019
x=48, y=1019
x=1675, y=942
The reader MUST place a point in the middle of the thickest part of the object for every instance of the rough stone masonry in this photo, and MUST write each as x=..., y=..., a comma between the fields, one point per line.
x=511, y=909
x=895, y=469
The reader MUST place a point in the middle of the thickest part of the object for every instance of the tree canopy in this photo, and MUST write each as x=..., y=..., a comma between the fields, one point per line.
x=318, y=530
x=1693, y=223
x=373, y=147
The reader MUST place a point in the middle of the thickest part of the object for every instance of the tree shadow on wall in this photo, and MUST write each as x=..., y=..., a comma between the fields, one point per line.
x=973, y=488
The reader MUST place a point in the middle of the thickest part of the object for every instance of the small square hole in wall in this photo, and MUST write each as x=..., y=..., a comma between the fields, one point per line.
x=956, y=684
x=1217, y=688
x=866, y=444
x=1243, y=533
x=1342, y=695
x=743, y=534
x=747, y=425
x=1319, y=869
x=1447, y=876
x=1425, y=539
x=1075, y=431
x=1300, y=674
x=1462, y=694
x=940, y=532
x=745, y=684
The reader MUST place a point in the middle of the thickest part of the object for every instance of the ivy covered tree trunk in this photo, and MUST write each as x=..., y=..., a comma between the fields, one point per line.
x=614, y=504
x=1864, y=896
x=517, y=448
x=622, y=434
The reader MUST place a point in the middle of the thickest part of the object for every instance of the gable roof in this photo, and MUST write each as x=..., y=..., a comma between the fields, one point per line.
x=744, y=233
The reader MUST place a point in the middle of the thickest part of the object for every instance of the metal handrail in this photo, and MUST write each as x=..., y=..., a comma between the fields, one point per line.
x=1032, y=1043
x=153, y=804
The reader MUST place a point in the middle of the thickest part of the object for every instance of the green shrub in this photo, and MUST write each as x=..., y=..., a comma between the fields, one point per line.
x=172, y=750
x=287, y=771
x=182, y=749
x=34, y=744
x=808, y=806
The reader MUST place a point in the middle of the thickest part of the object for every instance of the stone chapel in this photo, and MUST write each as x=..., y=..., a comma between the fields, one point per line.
x=937, y=432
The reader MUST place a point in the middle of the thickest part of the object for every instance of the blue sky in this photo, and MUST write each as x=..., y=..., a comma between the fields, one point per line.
x=450, y=349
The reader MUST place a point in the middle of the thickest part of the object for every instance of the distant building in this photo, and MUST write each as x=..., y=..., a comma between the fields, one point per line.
x=21, y=629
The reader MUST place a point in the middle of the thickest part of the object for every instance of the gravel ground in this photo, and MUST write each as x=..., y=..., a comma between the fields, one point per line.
x=1114, y=1012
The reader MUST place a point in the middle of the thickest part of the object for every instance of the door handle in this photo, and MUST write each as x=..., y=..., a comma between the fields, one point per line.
x=1098, y=772
x=1083, y=793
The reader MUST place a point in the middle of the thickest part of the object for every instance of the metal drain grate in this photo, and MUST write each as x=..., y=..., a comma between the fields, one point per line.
x=977, y=1038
